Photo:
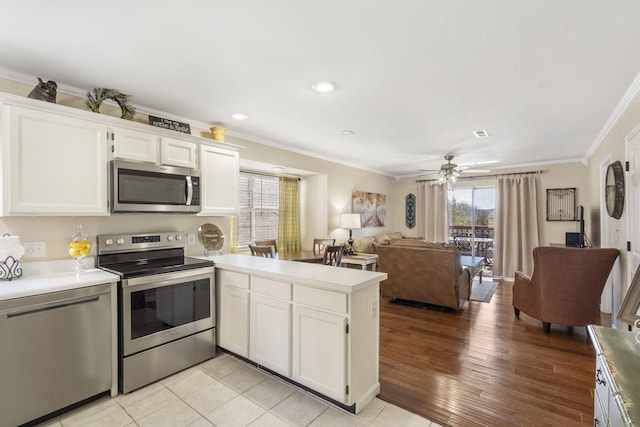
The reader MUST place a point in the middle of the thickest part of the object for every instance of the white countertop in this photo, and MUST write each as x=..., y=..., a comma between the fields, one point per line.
x=52, y=276
x=347, y=280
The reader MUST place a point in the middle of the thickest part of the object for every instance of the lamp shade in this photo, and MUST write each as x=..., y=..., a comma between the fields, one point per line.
x=350, y=221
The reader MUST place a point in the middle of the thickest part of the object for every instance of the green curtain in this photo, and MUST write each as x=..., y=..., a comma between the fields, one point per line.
x=233, y=234
x=289, y=215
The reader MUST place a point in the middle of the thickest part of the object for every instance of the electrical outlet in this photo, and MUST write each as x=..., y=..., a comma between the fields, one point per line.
x=35, y=249
x=191, y=238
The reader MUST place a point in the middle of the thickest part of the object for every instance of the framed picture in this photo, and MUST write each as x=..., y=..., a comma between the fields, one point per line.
x=561, y=204
x=372, y=208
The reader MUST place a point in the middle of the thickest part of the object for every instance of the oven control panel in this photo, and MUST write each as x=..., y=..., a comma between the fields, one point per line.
x=111, y=243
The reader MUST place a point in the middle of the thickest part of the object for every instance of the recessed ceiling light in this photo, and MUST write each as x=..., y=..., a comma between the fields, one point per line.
x=323, y=87
x=239, y=116
x=481, y=133
x=346, y=132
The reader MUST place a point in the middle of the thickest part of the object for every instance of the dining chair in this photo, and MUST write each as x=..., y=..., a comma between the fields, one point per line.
x=263, y=251
x=464, y=244
x=319, y=244
x=271, y=242
x=333, y=255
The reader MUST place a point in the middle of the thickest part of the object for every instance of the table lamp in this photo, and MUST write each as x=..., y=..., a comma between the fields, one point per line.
x=350, y=221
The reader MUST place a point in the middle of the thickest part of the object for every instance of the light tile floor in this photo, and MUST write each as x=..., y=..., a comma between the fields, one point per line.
x=226, y=391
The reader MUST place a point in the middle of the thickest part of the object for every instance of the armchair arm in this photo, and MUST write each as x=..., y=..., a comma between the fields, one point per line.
x=526, y=295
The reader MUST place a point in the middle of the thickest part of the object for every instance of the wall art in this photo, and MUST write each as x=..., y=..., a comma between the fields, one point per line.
x=372, y=208
x=410, y=210
x=561, y=204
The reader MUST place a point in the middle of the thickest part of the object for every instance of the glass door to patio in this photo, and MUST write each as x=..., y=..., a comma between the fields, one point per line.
x=471, y=221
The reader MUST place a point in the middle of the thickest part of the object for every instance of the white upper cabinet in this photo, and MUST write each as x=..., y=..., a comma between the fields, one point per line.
x=175, y=152
x=130, y=144
x=53, y=164
x=219, y=174
x=55, y=159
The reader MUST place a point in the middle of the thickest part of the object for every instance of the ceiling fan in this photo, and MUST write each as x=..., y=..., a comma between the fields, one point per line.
x=450, y=171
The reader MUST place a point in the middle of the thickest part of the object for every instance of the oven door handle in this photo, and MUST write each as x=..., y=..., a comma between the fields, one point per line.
x=165, y=279
x=189, y=190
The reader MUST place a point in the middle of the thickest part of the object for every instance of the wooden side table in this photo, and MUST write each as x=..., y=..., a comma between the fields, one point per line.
x=363, y=260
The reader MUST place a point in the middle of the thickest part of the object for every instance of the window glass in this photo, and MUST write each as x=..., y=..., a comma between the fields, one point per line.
x=259, y=198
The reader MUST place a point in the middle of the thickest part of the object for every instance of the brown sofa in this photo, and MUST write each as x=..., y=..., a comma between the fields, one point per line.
x=426, y=272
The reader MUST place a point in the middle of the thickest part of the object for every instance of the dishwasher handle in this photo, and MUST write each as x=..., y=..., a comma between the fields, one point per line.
x=52, y=306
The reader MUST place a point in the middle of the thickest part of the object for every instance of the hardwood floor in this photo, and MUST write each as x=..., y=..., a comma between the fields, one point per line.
x=482, y=366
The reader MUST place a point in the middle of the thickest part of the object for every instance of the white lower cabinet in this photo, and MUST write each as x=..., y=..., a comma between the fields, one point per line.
x=323, y=339
x=319, y=351
x=270, y=324
x=232, y=323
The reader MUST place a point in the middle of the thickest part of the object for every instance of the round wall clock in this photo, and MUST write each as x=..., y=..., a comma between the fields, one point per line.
x=614, y=189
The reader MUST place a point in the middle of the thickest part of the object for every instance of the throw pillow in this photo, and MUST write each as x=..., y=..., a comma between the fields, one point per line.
x=395, y=235
x=382, y=239
x=363, y=244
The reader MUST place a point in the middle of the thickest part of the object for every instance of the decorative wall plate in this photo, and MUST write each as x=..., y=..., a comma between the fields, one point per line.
x=211, y=237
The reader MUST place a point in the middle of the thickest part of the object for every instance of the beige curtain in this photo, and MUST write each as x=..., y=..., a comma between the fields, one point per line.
x=233, y=234
x=289, y=215
x=433, y=212
x=516, y=231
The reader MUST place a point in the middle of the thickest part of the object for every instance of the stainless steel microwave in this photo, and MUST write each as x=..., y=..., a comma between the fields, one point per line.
x=149, y=188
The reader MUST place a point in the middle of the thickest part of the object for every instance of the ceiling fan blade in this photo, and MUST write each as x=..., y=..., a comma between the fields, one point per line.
x=475, y=170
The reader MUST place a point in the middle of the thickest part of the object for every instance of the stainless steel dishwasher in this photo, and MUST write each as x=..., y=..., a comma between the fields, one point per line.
x=55, y=351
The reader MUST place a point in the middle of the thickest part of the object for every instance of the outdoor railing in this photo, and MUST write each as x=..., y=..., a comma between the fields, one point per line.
x=481, y=231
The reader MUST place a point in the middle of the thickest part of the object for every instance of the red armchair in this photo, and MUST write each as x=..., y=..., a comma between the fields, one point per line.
x=565, y=286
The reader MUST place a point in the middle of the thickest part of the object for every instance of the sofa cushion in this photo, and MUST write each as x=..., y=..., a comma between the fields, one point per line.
x=395, y=235
x=364, y=244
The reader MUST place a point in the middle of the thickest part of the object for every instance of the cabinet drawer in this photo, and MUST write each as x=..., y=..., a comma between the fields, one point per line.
x=320, y=298
x=272, y=288
x=232, y=278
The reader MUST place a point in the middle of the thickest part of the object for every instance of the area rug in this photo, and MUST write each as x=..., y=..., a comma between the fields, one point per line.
x=483, y=292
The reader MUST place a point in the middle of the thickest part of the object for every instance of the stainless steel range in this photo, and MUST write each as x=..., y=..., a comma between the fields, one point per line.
x=166, y=305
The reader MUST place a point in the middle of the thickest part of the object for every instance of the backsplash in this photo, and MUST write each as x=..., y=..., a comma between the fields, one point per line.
x=56, y=231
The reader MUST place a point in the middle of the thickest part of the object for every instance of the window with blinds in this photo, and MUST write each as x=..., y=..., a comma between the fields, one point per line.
x=259, y=198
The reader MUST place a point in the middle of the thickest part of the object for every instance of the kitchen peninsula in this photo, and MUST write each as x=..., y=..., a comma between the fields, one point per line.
x=315, y=325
